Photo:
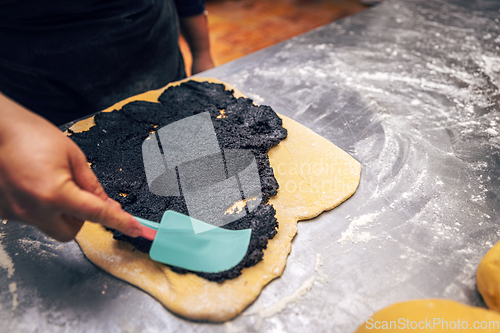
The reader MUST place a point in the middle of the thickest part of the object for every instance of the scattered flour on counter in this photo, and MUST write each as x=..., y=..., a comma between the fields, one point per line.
x=352, y=233
x=464, y=282
x=319, y=262
x=282, y=303
x=13, y=291
x=492, y=131
x=492, y=68
x=258, y=100
x=7, y=264
x=40, y=248
x=285, y=301
x=231, y=328
x=318, y=268
x=5, y=260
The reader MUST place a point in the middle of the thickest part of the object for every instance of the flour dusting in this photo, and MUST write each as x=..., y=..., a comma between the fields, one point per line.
x=13, y=291
x=318, y=268
x=5, y=260
x=353, y=234
x=285, y=301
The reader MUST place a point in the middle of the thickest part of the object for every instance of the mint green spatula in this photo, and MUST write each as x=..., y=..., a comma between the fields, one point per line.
x=176, y=243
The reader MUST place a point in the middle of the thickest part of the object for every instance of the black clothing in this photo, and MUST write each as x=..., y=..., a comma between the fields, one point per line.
x=66, y=59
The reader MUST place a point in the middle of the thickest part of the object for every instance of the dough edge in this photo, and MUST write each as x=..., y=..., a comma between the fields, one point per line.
x=488, y=278
x=317, y=189
x=429, y=309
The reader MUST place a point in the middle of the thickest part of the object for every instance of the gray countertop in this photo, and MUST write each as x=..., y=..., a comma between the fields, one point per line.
x=411, y=90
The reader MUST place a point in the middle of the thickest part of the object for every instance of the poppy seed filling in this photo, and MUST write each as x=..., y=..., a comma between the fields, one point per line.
x=113, y=147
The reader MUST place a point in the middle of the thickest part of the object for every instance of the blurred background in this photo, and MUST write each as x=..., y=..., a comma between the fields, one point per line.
x=240, y=27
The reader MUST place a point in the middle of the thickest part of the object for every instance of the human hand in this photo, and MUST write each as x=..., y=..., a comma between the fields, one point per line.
x=201, y=63
x=45, y=179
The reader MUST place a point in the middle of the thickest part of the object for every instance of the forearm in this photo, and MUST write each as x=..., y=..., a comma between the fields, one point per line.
x=195, y=32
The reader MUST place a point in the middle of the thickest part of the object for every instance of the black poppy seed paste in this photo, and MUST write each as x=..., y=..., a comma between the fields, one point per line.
x=114, y=147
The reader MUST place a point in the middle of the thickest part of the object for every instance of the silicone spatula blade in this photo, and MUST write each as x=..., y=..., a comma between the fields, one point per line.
x=211, y=251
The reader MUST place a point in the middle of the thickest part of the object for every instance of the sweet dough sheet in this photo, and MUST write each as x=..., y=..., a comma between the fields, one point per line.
x=314, y=176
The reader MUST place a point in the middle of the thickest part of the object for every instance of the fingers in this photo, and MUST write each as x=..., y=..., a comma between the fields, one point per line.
x=87, y=206
x=61, y=192
x=63, y=228
x=83, y=175
x=105, y=211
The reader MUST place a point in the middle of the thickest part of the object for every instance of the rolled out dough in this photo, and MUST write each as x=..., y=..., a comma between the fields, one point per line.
x=488, y=278
x=314, y=176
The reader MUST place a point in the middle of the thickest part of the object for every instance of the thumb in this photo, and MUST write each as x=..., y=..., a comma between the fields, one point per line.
x=88, y=206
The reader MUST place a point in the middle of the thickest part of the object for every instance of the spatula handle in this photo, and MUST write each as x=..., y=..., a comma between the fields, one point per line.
x=149, y=228
x=148, y=233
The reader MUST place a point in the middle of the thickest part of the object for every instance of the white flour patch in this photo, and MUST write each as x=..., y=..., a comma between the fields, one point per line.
x=285, y=301
x=13, y=291
x=43, y=249
x=492, y=68
x=492, y=131
x=5, y=260
x=7, y=264
x=231, y=328
x=318, y=268
x=258, y=100
x=282, y=303
x=352, y=233
x=319, y=262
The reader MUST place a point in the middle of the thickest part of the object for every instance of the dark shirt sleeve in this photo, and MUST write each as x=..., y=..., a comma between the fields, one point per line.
x=187, y=8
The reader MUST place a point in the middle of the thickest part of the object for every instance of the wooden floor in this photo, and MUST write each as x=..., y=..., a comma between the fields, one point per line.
x=240, y=27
